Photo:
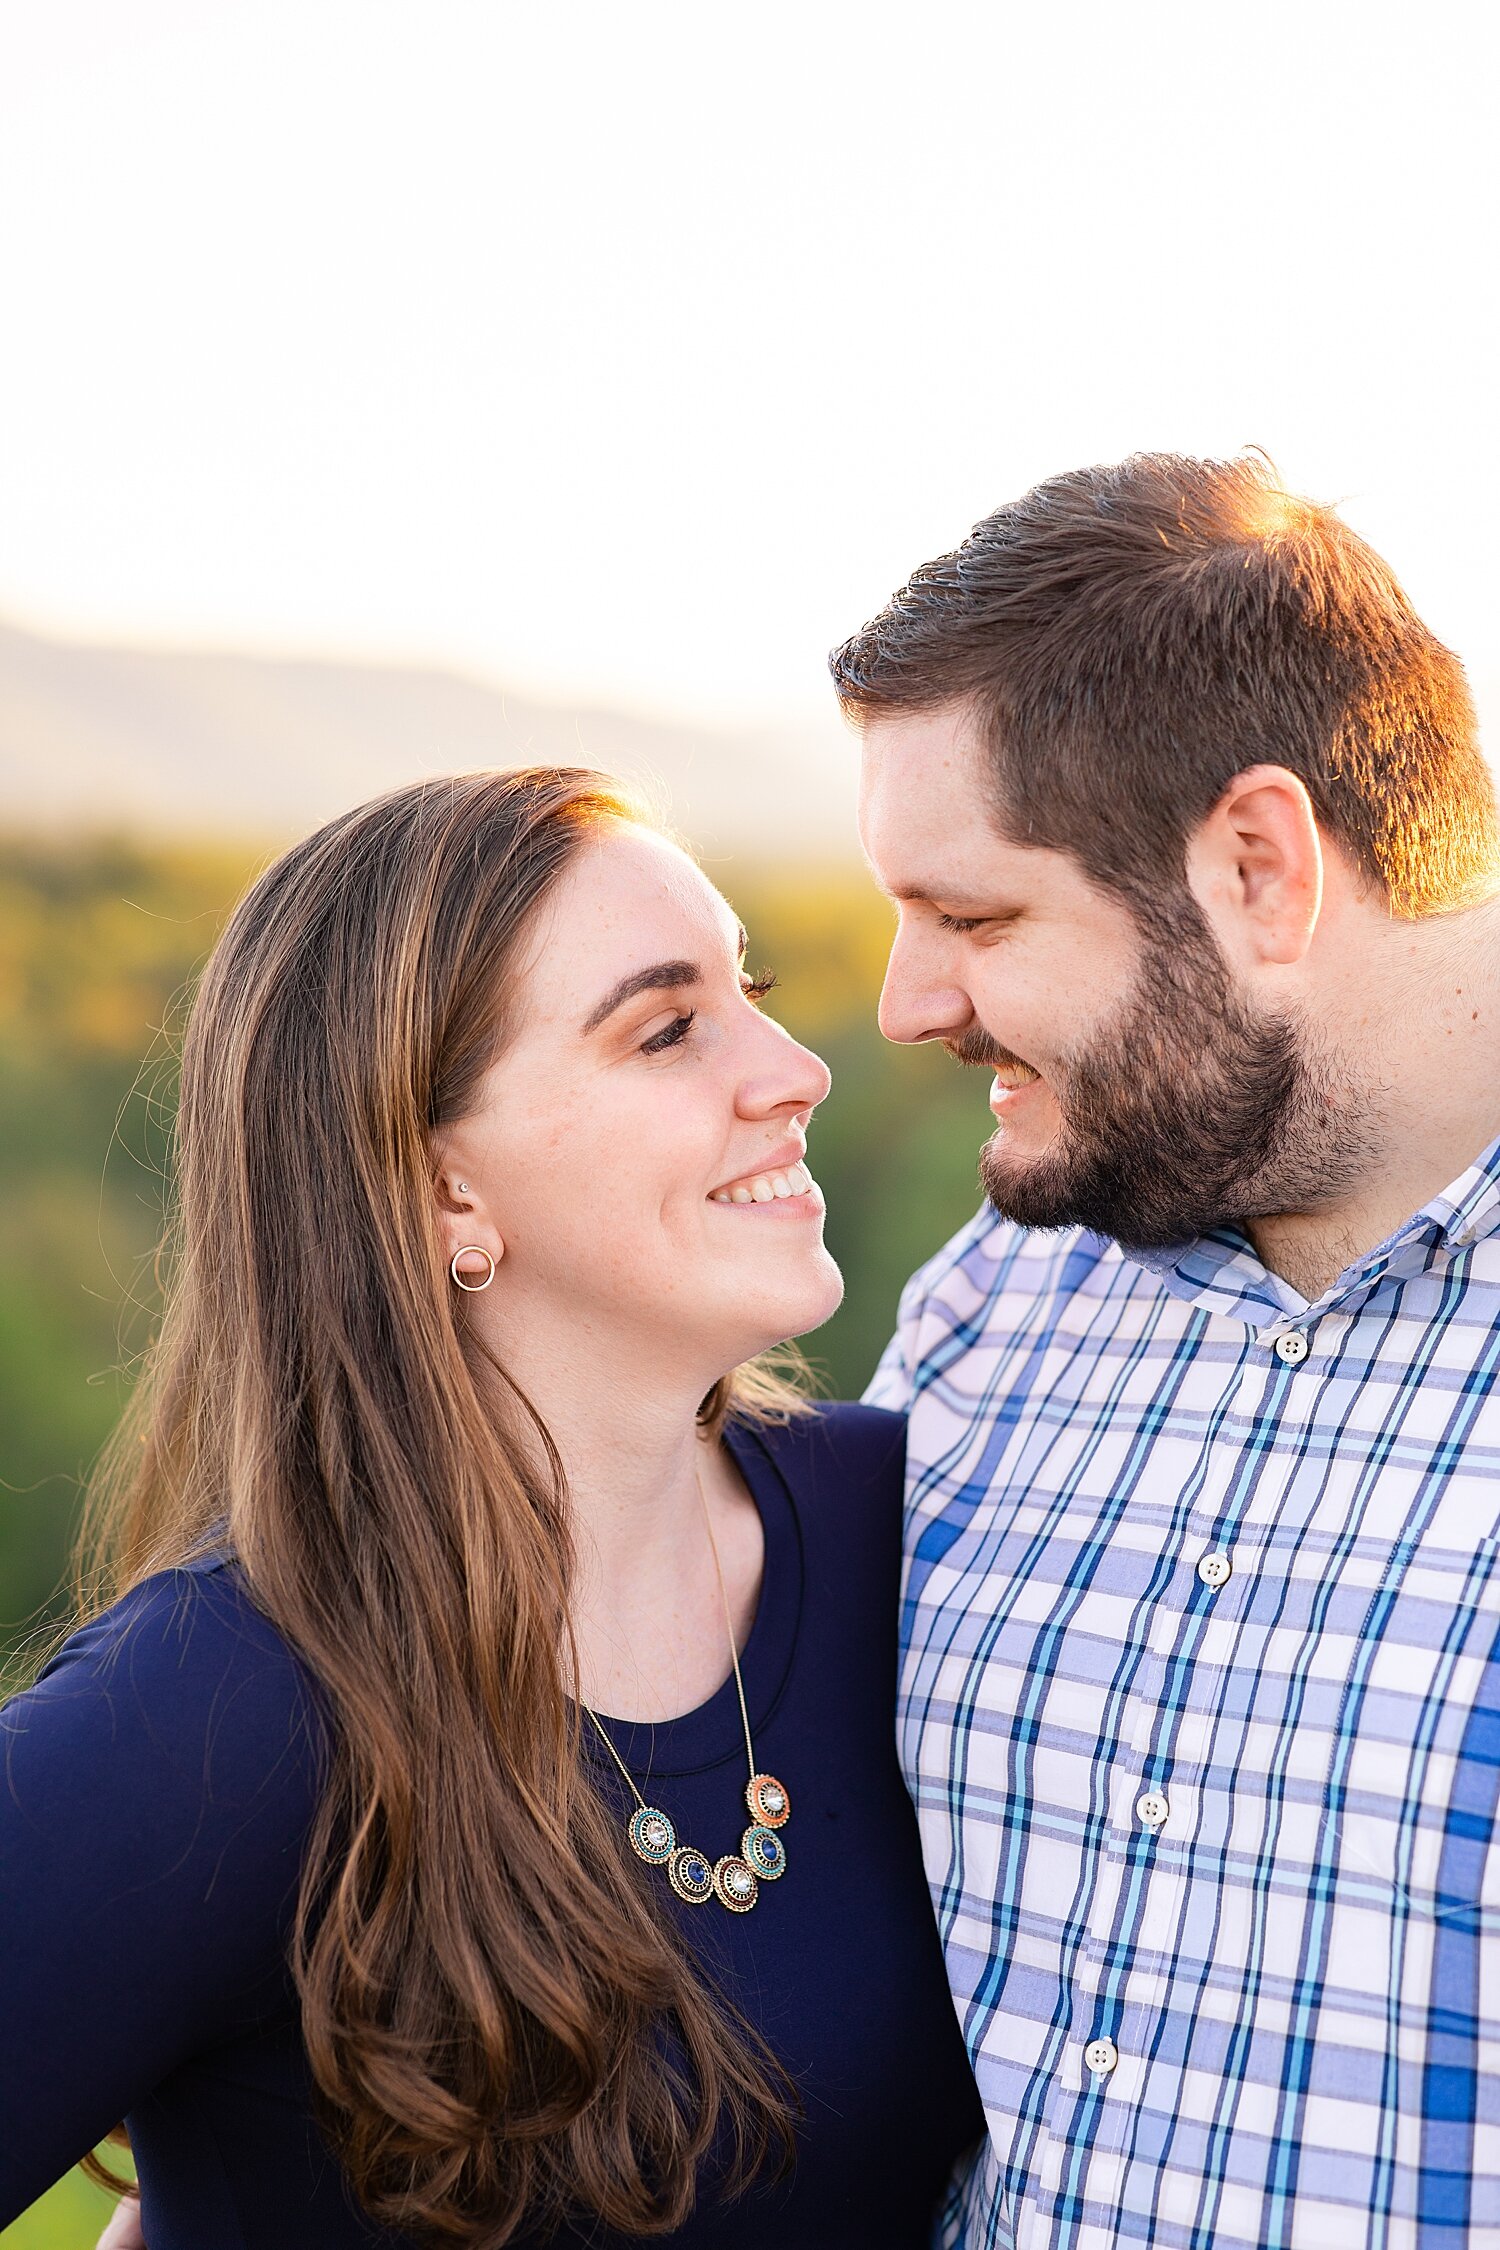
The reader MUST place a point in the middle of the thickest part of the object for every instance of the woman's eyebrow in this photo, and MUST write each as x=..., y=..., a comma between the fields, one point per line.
x=662, y=976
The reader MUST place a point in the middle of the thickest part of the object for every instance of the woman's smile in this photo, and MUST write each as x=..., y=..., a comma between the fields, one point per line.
x=783, y=1181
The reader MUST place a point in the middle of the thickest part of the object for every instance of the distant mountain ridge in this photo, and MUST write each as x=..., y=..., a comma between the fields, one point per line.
x=189, y=742
x=184, y=742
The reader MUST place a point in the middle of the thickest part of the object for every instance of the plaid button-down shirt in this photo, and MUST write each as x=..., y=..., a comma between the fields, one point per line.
x=1201, y=1711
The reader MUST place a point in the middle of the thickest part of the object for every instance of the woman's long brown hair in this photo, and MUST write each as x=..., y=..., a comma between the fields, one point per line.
x=501, y=2027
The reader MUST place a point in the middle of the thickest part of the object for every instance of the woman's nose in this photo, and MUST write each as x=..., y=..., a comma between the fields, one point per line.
x=785, y=1075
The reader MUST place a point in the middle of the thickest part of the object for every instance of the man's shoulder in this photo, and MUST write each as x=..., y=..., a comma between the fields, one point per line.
x=992, y=1260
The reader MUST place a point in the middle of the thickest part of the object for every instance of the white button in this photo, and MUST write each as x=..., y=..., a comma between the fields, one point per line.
x=1101, y=2055
x=1151, y=1809
x=1215, y=1570
x=1292, y=1348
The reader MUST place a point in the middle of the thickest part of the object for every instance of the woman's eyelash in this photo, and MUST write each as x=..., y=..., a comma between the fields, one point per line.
x=677, y=1030
x=673, y=1036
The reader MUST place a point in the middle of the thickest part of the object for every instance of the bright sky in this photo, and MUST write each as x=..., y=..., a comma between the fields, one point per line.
x=639, y=352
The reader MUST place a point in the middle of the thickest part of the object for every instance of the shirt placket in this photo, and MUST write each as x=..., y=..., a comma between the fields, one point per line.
x=1137, y=1903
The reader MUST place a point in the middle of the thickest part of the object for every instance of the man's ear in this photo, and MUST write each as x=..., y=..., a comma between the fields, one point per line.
x=1255, y=866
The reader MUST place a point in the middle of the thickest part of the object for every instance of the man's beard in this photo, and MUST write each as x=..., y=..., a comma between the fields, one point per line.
x=1188, y=1113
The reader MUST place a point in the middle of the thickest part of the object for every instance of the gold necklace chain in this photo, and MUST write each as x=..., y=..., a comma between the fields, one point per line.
x=735, y=1879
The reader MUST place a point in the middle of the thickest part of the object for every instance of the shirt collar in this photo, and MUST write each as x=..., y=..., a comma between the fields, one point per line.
x=1470, y=1209
x=1221, y=1273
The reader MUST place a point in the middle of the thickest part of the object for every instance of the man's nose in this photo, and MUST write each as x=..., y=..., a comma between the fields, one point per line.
x=919, y=999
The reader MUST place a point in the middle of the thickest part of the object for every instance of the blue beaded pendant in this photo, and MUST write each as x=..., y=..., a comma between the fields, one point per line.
x=652, y=1836
x=763, y=1853
x=690, y=1875
x=735, y=1885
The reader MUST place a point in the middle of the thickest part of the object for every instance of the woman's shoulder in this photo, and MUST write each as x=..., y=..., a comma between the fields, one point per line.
x=198, y=1616
x=182, y=1682
x=840, y=1453
x=843, y=1468
x=158, y=1782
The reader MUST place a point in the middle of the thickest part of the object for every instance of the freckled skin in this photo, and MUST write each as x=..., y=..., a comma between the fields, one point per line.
x=594, y=1156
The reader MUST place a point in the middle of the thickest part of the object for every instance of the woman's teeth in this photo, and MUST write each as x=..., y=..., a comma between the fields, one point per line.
x=766, y=1187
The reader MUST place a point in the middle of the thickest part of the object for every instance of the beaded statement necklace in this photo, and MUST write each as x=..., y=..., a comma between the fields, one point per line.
x=734, y=1880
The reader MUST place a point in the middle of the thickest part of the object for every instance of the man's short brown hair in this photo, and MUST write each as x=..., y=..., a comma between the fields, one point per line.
x=1132, y=637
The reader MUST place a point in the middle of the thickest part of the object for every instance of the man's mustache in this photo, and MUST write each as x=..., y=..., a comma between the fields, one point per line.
x=976, y=1050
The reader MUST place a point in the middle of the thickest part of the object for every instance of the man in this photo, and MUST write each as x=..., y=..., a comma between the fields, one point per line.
x=1193, y=846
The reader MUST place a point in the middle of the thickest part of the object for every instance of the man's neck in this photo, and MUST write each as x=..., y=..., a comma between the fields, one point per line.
x=1426, y=1050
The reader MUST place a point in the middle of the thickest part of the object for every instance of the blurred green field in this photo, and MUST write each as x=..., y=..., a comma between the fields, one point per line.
x=98, y=946
x=71, y=2217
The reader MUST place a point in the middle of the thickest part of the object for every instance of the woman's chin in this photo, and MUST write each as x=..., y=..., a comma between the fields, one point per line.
x=793, y=1306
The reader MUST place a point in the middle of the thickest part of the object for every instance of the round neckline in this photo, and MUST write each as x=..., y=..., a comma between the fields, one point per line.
x=712, y=1734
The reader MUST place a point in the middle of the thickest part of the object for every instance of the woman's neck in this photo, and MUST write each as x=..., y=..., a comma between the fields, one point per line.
x=643, y=1487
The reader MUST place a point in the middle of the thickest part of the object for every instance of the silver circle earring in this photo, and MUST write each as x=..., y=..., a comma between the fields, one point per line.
x=470, y=1288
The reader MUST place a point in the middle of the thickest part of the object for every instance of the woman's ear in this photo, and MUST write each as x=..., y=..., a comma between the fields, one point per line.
x=474, y=1243
x=1255, y=866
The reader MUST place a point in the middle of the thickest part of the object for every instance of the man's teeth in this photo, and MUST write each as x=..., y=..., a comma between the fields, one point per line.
x=1015, y=1074
x=766, y=1187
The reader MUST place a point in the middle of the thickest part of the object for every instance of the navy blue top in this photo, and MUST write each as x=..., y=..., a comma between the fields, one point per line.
x=159, y=1782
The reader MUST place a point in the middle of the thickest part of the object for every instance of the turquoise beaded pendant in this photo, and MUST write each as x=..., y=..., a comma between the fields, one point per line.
x=690, y=1875
x=770, y=1806
x=763, y=1853
x=735, y=1885
x=652, y=1836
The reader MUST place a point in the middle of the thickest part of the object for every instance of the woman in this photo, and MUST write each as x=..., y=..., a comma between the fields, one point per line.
x=476, y=1818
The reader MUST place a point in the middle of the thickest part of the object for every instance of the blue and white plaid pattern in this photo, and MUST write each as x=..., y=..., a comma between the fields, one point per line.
x=1201, y=1711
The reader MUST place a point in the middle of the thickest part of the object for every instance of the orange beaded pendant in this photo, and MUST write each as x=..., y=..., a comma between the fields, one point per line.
x=768, y=1801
